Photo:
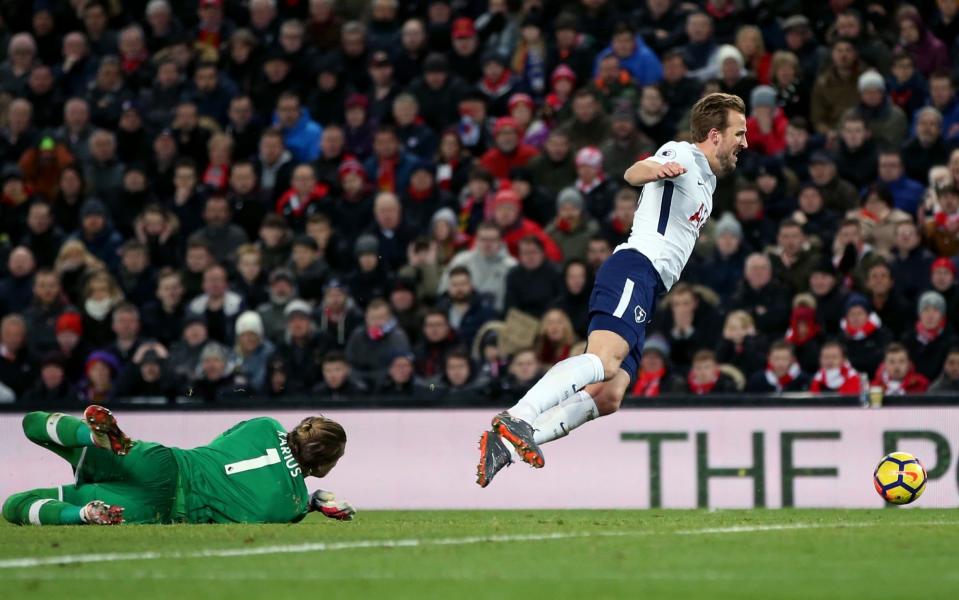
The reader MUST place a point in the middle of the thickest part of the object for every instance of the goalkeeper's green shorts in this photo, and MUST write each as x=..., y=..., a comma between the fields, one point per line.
x=144, y=482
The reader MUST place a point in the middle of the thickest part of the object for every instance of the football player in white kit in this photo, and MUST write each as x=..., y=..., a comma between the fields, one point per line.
x=676, y=201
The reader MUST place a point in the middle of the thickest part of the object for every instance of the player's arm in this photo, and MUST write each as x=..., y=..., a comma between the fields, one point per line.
x=650, y=169
x=325, y=502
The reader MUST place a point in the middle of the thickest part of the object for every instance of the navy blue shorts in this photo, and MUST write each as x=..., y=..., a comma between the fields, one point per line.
x=623, y=301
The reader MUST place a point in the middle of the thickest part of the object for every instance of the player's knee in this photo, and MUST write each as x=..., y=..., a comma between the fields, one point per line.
x=34, y=421
x=607, y=404
x=611, y=363
x=11, y=507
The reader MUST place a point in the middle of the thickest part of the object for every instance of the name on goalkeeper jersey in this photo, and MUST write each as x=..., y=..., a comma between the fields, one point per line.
x=288, y=459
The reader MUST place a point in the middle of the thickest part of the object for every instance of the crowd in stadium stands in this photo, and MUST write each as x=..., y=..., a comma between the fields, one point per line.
x=336, y=198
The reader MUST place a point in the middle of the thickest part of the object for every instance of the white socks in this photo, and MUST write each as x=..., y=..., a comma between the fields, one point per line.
x=562, y=381
x=569, y=414
x=558, y=421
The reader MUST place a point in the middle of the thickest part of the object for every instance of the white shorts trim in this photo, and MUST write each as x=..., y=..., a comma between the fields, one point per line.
x=52, y=421
x=35, y=510
x=624, y=299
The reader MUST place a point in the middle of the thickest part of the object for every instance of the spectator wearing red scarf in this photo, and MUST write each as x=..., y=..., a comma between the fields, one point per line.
x=592, y=184
x=508, y=151
x=705, y=378
x=423, y=198
x=897, y=375
x=616, y=228
x=389, y=168
x=767, y=124
x=864, y=334
x=498, y=83
x=835, y=374
x=655, y=376
x=930, y=341
x=305, y=197
x=507, y=213
x=782, y=372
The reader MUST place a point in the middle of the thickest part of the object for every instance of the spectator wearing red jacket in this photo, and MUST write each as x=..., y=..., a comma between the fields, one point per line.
x=507, y=214
x=508, y=151
x=304, y=198
x=835, y=374
x=897, y=375
x=767, y=124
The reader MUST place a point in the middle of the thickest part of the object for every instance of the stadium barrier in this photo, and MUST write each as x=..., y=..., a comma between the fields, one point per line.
x=702, y=457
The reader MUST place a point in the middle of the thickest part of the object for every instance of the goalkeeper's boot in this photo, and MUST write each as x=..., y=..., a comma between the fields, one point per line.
x=106, y=432
x=494, y=455
x=519, y=433
x=98, y=512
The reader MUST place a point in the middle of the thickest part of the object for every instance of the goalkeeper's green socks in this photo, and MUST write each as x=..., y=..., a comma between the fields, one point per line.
x=40, y=507
x=57, y=428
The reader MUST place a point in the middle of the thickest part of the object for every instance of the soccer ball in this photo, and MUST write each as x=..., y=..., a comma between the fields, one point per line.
x=899, y=478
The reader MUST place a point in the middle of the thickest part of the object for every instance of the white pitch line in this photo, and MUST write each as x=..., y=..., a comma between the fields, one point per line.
x=789, y=526
x=68, y=559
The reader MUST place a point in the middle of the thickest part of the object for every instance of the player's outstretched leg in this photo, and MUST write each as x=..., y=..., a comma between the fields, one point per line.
x=58, y=432
x=566, y=416
x=106, y=432
x=45, y=507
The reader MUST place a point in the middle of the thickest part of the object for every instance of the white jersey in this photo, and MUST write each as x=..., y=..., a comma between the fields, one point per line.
x=672, y=211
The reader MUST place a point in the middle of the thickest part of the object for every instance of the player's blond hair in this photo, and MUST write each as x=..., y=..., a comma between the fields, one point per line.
x=712, y=112
x=317, y=443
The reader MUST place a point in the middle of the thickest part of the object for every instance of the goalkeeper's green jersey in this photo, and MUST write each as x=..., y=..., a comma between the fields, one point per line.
x=246, y=475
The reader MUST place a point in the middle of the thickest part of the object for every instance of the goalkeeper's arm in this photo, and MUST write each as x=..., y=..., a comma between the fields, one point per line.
x=325, y=502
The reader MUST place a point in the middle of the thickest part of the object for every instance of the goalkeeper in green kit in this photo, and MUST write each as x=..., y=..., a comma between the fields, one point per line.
x=252, y=473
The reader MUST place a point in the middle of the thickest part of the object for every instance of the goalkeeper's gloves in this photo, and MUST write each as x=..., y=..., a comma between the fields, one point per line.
x=326, y=503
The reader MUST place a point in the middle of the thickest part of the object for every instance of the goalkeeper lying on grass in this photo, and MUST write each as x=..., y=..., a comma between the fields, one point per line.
x=252, y=473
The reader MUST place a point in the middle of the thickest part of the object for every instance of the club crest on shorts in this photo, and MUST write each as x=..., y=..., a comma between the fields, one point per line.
x=640, y=314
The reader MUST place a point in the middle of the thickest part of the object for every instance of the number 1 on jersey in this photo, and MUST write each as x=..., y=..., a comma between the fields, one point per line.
x=665, y=206
x=271, y=457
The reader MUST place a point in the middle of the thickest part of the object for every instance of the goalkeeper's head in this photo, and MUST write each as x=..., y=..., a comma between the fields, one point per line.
x=317, y=443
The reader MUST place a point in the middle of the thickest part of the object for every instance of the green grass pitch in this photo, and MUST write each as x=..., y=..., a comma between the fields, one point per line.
x=801, y=554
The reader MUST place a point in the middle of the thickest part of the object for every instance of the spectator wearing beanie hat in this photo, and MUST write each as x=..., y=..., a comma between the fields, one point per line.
x=465, y=54
x=722, y=270
x=522, y=108
x=352, y=209
x=573, y=227
x=562, y=82
x=148, y=376
x=655, y=377
x=767, y=122
x=886, y=121
x=97, y=234
x=70, y=344
x=864, y=336
x=422, y=198
x=508, y=215
x=929, y=342
x=570, y=48
x=498, y=82
x=508, y=149
x=626, y=143
x=592, y=183
x=438, y=91
x=302, y=348
x=100, y=369
x=371, y=278
x=252, y=352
